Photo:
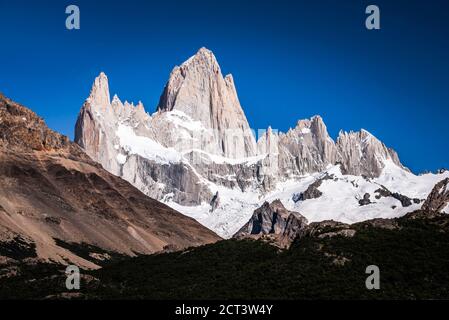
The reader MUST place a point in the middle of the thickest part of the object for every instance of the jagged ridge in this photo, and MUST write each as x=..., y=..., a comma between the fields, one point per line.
x=198, y=143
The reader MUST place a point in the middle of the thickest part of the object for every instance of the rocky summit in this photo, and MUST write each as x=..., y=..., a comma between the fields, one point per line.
x=198, y=89
x=197, y=147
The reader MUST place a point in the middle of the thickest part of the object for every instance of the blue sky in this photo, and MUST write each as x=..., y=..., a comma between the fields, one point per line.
x=290, y=60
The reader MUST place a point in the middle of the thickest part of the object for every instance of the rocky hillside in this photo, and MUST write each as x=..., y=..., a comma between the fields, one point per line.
x=55, y=199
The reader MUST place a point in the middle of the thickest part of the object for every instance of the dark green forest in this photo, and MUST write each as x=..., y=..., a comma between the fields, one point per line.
x=413, y=261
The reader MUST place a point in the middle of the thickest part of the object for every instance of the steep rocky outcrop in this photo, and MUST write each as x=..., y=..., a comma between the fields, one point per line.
x=312, y=192
x=22, y=130
x=198, y=89
x=50, y=189
x=438, y=199
x=360, y=153
x=273, y=221
x=306, y=148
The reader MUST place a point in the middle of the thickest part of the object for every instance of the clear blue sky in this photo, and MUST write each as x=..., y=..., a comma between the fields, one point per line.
x=290, y=60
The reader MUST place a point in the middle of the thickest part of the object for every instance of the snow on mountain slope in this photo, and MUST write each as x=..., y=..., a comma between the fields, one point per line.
x=339, y=200
x=405, y=182
x=145, y=147
x=341, y=195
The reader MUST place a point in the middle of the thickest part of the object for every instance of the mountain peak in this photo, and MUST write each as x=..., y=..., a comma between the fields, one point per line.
x=204, y=61
x=204, y=49
x=205, y=53
x=99, y=94
x=198, y=89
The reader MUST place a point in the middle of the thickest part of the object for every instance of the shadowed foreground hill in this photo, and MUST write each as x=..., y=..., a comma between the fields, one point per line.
x=55, y=200
x=413, y=258
x=413, y=261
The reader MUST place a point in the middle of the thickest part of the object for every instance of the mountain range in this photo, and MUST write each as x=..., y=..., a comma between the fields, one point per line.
x=147, y=204
x=198, y=154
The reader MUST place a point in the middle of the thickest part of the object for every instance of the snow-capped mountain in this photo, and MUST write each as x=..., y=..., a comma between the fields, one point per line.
x=198, y=154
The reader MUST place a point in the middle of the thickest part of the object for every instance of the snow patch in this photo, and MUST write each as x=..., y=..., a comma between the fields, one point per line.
x=121, y=158
x=235, y=210
x=305, y=130
x=146, y=147
x=399, y=180
x=180, y=119
x=223, y=160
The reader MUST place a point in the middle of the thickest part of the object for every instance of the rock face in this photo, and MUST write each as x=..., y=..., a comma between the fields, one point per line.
x=197, y=88
x=273, y=220
x=438, y=199
x=306, y=148
x=51, y=192
x=312, y=192
x=23, y=130
x=95, y=136
x=366, y=200
x=363, y=154
x=309, y=148
x=198, y=142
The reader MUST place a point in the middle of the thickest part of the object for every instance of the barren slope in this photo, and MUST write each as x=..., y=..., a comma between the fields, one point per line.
x=50, y=189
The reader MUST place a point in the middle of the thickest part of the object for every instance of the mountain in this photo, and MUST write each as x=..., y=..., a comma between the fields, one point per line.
x=197, y=154
x=198, y=89
x=58, y=205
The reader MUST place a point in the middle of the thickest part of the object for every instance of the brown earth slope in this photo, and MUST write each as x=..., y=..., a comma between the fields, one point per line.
x=51, y=190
